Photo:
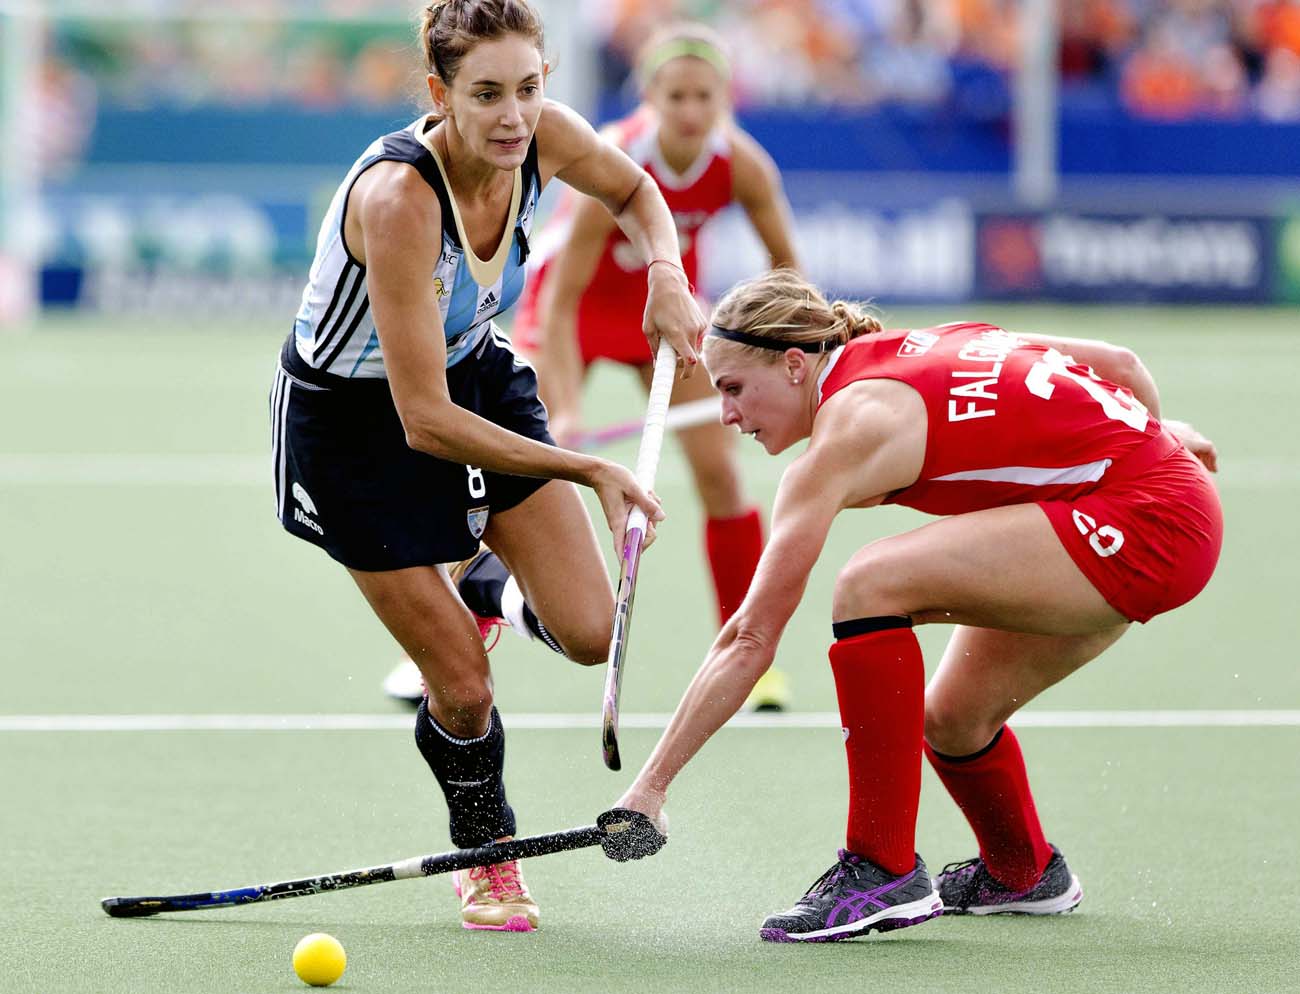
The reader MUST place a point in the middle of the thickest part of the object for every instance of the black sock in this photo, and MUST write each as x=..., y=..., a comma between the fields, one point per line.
x=481, y=589
x=469, y=772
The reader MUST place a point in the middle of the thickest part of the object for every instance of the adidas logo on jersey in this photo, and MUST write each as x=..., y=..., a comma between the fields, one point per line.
x=917, y=343
x=489, y=301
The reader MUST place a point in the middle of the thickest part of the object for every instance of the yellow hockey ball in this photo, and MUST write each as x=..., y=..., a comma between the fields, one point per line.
x=319, y=959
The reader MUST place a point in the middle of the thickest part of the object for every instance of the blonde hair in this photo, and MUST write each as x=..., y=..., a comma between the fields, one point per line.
x=785, y=307
x=680, y=39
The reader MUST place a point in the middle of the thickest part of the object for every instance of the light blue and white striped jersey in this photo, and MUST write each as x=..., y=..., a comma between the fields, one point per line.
x=334, y=331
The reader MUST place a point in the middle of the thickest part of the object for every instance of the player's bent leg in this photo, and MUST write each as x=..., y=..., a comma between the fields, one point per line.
x=984, y=677
x=1000, y=568
x=550, y=547
x=457, y=730
x=426, y=617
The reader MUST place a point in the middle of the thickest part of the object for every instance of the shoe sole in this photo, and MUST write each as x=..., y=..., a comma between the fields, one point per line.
x=1061, y=904
x=901, y=916
x=516, y=923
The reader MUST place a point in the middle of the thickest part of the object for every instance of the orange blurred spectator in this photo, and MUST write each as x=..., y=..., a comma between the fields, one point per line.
x=1159, y=81
x=1277, y=25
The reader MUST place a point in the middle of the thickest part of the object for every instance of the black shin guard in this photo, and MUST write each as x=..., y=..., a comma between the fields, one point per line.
x=469, y=773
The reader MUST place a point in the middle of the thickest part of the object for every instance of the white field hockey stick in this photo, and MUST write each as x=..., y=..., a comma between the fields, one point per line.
x=647, y=461
x=691, y=414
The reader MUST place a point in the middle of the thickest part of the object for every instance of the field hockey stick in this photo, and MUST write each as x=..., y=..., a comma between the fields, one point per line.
x=647, y=461
x=622, y=833
x=692, y=414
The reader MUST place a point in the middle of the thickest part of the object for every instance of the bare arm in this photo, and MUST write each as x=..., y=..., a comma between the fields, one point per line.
x=1111, y=362
x=395, y=229
x=866, y=447
x=569, y=273
x=1123, y=367
x=756, y=186
x=595, y=166
x=746, y=646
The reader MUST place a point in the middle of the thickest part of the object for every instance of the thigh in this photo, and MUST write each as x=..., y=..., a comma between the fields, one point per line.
x=710, y=450
x=985, y=676
x=550, y=546
x=1000, y=568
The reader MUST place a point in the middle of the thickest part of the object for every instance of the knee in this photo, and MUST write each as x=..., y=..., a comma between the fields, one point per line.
x=955, y=731
x=873, y=583
x=461, y=704
x=583, y=634
x=588, y=647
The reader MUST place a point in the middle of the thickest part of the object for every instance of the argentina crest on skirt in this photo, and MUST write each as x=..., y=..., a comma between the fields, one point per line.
x=477, y=518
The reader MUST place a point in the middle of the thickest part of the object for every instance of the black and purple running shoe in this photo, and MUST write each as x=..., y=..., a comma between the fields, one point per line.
x=969, y=889
x=855, y=897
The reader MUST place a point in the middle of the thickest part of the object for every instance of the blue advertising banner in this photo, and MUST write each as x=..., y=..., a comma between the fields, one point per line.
x=1109, y=257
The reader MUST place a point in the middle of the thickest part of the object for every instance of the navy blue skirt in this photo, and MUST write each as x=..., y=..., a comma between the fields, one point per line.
x=346, y=480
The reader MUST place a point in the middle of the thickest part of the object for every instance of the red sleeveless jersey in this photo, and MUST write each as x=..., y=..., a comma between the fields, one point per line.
x=1008, y=422
x=612, y=307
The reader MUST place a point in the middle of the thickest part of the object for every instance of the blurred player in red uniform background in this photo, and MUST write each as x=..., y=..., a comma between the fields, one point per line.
x=587, y=301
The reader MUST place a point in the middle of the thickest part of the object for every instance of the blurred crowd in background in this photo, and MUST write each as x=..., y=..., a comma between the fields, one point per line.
x=1155, y=59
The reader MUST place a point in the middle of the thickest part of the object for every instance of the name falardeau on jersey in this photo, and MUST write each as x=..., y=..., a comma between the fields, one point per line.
x=973, y=385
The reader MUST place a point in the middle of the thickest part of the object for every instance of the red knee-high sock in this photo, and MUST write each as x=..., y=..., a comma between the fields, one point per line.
x=992, y=789
x=733, y=546
x=880, y=682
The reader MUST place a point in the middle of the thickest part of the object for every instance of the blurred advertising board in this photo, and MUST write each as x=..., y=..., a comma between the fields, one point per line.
x=1111, y=257
x=227, y=253
x=916, y=254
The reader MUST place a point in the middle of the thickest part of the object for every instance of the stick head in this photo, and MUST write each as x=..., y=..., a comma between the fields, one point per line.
x=127, y=907
x=629, y=835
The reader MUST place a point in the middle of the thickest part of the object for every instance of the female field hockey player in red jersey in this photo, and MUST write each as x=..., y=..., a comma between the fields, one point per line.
x=587, y=300
x=406, y=429
x=1070, y=510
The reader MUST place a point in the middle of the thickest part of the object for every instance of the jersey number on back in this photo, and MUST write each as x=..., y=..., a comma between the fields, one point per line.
x=1118, y=406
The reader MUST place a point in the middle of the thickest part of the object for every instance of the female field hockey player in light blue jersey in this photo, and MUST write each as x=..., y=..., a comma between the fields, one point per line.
x=406, y=430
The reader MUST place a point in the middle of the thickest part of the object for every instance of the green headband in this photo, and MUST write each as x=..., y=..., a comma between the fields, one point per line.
x=675, y=48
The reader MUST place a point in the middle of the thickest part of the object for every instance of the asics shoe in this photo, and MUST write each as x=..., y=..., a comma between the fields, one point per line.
x=969, y=889
x=495, y=898
x=855, y=897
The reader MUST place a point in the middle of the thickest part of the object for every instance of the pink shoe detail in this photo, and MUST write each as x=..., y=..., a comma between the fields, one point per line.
x=492, y=627
x=517, y=923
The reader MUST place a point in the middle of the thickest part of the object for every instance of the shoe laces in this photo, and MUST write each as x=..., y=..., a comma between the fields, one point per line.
x=503, y=881
x=490, y=627
x=968, y=875
x=959, y=867
x=830, y=878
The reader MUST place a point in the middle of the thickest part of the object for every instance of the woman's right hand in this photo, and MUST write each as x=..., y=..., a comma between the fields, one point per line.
x=618, y=491
x=673, y=313
x=1197, y=444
